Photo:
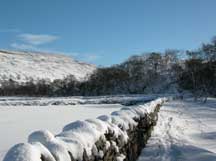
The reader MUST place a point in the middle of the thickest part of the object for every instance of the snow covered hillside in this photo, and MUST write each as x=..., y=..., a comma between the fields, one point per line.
x=22, y=66
x=186, y=131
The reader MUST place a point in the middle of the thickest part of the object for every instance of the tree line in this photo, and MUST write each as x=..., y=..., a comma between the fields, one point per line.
x=153, y=72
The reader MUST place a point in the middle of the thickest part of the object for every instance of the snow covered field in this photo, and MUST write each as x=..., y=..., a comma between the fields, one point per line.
x=16, y=123
x=186, y=131
x=19, y=116
x=46, y=101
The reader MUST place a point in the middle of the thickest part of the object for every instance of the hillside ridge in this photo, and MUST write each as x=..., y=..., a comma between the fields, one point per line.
x=23, y=66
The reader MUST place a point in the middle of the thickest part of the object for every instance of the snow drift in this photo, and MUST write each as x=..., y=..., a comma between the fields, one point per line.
x=82, y=140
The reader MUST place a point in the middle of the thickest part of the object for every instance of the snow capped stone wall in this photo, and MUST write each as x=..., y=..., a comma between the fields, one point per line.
x=116, y=137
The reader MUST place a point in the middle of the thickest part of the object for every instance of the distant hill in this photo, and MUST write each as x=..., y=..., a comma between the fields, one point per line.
x=23, y=66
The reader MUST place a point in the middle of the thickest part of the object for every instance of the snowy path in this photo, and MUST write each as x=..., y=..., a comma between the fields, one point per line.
x=16, y=123
x=186, y=131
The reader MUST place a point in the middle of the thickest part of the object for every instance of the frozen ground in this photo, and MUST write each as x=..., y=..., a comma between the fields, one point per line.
x=186, y=131
x=16, y=123
x=19, y=116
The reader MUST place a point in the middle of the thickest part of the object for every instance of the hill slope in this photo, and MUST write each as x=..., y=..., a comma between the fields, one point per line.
x=22, y=66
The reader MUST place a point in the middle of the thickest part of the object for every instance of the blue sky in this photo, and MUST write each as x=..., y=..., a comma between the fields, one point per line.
x=105, y=32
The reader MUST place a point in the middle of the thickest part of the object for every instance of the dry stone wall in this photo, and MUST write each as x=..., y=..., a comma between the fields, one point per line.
x=116, y=137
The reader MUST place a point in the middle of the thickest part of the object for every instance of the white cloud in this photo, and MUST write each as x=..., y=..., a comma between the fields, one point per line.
x=37, y=39
x=33, y=42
